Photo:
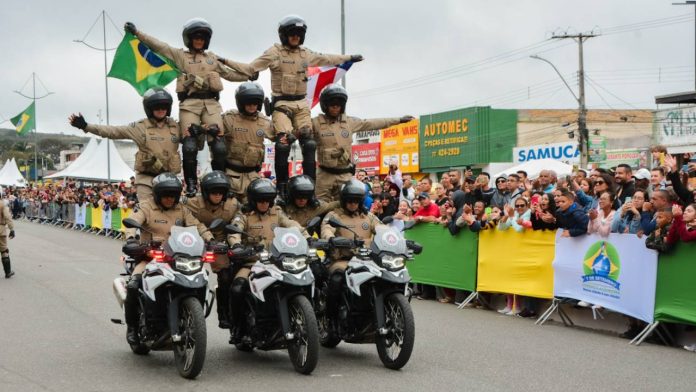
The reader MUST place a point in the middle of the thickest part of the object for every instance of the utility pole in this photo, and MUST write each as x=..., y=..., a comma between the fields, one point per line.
x=691, y=2
x=33, y=97
x=343, y=35
x=583, y=137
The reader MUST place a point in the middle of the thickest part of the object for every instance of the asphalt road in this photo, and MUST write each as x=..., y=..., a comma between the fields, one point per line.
x=55, y=335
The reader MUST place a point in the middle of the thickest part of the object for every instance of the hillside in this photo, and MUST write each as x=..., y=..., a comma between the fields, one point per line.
x=22, y=147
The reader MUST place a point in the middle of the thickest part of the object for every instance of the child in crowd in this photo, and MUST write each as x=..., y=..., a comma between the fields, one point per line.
x=684, y=225
x=658, y=238
x=569, y=216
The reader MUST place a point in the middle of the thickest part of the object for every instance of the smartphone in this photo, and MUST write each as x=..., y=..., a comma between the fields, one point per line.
x=662, y=159
x=628, y=199
x=488, y=210
x=535, y=200
x=685, y=168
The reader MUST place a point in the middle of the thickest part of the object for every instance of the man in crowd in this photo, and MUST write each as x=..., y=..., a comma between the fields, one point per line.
x=455, y=179
x=659, y=200
x=657, y=179
x=624, y=179
x=482, y=189
x=429, y=211
x=513, y=188
x=547, y=181
x=407, y=193
x=642, y=179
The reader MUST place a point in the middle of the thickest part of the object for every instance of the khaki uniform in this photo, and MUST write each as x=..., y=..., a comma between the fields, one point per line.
x=289, y=81
x=206, y=213
x=158, y=223
x=158, y=149
x=245, y=150
x=363, y=224
x=201, y=73
x=304, y=215
x=5, y=224
x=260, y=229
x=334, y=140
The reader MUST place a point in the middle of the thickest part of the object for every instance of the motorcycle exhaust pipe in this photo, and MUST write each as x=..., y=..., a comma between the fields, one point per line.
x=119, y=287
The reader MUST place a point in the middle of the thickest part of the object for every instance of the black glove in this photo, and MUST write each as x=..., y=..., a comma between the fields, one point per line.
x=130, y=27
x=12, y=234
x=254, y=76
x=405, y=119
x=78, y=122
x=356, y=58
x=237, y=246
x=222, y=60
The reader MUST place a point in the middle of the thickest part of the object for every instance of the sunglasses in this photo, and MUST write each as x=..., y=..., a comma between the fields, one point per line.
x=520, y=205
x=599, y=182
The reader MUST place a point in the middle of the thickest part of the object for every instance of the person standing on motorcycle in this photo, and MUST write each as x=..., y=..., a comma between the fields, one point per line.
x=302, y=205
x=198, y=89
x=355, y=216
x=157, y=219
x=6, y=223
x=213, y=203
x=157, y=138
x=245, y=130
x=288, y=62
x=333, y=132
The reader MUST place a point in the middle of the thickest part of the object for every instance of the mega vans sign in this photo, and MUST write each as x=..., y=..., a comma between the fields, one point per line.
x=566, y=152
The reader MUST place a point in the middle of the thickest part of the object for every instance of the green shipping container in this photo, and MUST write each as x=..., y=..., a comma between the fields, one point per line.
x=476, y=135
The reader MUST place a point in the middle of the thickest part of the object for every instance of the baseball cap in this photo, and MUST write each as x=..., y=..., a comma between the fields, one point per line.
x=642, y=174
x=423, y=195
x=470, y=179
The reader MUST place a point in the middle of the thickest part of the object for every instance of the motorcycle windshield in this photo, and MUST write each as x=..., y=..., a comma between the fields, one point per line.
x=288, y=241
x=388, y=239
x=184, y=241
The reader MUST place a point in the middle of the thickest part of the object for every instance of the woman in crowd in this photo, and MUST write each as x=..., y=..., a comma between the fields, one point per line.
x=684, y=224
x=543, y=216
x=440, y=195
x=627, y=218
x=603, y=182
x=601, y=218
x=415, y=206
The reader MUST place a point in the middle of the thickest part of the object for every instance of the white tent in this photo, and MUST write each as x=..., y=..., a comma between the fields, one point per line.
x=92, y=164
x=10, y=175
x=4, y=166
x=533, y=168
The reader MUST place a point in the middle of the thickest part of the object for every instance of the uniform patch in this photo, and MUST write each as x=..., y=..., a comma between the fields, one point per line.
x=259, y=133
x=365, y=226
x=345, y=133
x=161, y=221
x=179, y=222
x=175, y=139
x=209, y=61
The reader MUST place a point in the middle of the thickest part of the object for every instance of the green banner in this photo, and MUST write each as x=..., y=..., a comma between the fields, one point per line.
x=88, y=215
x=675, y=297
x=446, y=260
x=116, y=219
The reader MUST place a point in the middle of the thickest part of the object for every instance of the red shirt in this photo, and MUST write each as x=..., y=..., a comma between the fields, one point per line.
x=431, y=210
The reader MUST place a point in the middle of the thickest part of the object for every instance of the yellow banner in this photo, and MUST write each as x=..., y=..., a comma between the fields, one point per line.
x=516, y=263
x=399, y=144
x=97, y=220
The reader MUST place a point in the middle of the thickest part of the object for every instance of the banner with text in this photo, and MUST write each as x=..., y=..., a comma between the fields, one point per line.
x=366, y=157
x=617, y=272
x=399, y=144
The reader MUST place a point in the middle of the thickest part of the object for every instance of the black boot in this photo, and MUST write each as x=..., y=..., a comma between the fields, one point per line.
x=222, y=305
x=6, y=266
x=131, y=306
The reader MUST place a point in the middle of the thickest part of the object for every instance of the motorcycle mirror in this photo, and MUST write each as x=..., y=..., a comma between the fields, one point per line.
x=335, y=223
x=131, y=223
x=216, y=224
x=387, y=220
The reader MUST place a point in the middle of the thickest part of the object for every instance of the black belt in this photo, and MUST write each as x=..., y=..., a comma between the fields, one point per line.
x=200, y=95
x=333, y=170
x=277, y=98
x=242, y=169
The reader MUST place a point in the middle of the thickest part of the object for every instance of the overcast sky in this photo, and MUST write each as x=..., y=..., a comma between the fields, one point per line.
x=418, y=54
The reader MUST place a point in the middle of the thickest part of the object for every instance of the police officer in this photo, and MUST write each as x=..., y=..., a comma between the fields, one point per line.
x=355, y=216
x=302, y=205
x=333, y=133
x=245, y=130
x=212, y=204
x=157, y=138
x=6, y=223
x=288, y=62
x=259, y=221
x=198, y=89
x=157, y=219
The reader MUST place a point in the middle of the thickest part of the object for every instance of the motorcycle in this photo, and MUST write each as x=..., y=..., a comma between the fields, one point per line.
x=374, y=301
x=173, y=301
x=276, y=312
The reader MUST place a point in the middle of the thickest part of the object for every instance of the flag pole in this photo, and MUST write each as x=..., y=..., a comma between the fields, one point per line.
x=36, y=134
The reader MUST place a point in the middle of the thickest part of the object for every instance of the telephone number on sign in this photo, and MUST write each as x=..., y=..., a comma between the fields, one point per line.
x=446, y=152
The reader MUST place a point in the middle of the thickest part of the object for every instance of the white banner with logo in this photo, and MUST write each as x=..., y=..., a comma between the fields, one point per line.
x=80, y=211
x=616, y=272
x=565, y=152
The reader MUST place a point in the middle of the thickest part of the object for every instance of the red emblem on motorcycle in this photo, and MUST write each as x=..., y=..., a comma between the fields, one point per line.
x=290, y=240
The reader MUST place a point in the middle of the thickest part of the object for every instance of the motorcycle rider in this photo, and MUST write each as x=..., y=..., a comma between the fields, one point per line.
x=333, y=134
x=213, y=203
x=258, y=221
x=302, y=205
x=245, y=130
x=198, y=90
x=157, y=219
x=156, y=136
x=355, y=216
x=6, y=223
x=288, y=62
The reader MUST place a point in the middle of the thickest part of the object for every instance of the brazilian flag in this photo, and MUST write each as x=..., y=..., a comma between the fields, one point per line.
x=140, y=66
x=25, y=121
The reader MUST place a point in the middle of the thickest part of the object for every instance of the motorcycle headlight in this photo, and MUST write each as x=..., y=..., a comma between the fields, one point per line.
x=294, y=264
x=187, y=265
x=264, y=256
x=392, y=263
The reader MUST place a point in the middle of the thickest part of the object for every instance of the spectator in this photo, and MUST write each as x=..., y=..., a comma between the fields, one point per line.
x=513, y=188
x=440, y=195
x=415, y=206
x=468, y=189
x=482, y=189
x=642, y=179
x=500, y=196
x=404, y=213
x=627, y=186
x=683, y=226
x=673, y=176
x=601, y=219
x=658, y=152
x=390, y=205
x=627, y=218
x=658, y=201
x=407, y=192
x=455, y=179
x=658, y=238
x=602, y=183
x=518, y=217
x=547, y=181
x=569, y=216
x=425, y=185
x=543, y=214
x=429, y=211
x=445, y=182
x=376, y=190
x=657, y=180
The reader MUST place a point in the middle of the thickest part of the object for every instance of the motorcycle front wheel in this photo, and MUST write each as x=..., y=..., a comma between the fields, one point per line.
x=304, y=348
x=395, y=347
x=189, y=353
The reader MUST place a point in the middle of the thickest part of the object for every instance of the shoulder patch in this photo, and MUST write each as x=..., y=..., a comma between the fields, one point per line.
x=365, y=226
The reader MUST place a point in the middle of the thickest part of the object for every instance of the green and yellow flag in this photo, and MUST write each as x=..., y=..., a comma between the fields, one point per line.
x=25, y=121
x=135, y=63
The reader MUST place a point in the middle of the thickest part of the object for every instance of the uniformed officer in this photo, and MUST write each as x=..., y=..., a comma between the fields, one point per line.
x=245, y=130
x=198, y=89
x=157, y=219
x=6, y=223
x=157, y=138
x=333, y=132
x=212, y=204
x=288, y=62
x=302, y=205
